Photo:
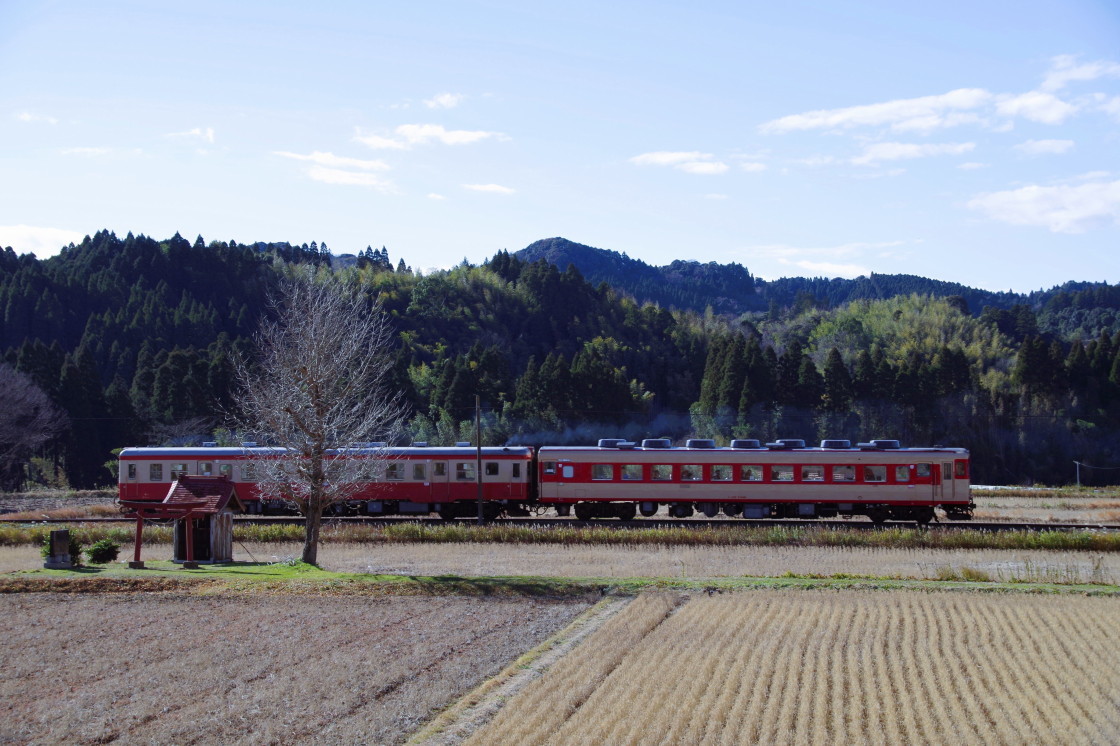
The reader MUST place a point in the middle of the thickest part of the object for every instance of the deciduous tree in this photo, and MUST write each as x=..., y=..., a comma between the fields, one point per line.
x=318, y=387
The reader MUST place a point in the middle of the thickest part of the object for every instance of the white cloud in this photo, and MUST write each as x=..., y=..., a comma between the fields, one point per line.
x=691, y=161
x=335, y=161
x=893, y=151
x=198, y=133
x=491, y=188
x=26, y=116
x=444, y=101
x=923, y=113
x=435, y=196
x=42, y=242
x=420, y=134
x=1064, y=69
x=1036, y=106
x=668, y=158
x=971, y=166
x=86, y=152
x=1061, y=209
x=349, y=178
x=703, y=167
x=377, y=142
x=1044, y=147
x=751, y=167
x=1111, y=106
x=830, y=269
x=715, y=196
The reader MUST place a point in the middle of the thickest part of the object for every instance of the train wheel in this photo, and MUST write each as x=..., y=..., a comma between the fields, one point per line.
x=626, y=511
x=923, y=515
x=710, y=510
x=448, y=514
x=490, y=512
x=878, y=515
x=584, y=512
x=649, y=509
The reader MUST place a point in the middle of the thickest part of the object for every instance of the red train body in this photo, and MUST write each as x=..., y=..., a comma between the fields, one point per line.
x=618, y=479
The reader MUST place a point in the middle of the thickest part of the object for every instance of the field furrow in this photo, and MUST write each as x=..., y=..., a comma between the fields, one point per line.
x=838, y=667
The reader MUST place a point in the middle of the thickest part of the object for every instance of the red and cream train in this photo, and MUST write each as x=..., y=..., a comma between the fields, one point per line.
x=615, y=479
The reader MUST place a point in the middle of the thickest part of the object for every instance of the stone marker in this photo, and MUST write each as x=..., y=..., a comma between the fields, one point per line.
x=59, y=557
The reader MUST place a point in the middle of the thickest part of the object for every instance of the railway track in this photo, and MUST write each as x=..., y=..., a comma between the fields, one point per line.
x=637, y=523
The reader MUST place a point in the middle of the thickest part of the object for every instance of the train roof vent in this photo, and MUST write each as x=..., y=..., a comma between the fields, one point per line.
x=210, y=444
x=836, y=444
x=746, y=443
x=463, y=444
x=420, y=444
x=610, y=442
x=249, y=444
x=886, y=444
x=786, y=443
x=699, y=443
x=657, y=443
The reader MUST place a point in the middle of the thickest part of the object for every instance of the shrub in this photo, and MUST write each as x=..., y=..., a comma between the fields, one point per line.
x=105, y=550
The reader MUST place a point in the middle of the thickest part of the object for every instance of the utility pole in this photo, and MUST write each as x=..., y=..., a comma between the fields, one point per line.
x=478, y=453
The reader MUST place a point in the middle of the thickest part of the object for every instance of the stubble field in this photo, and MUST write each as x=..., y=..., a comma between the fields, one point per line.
x=168, y=668
x=828, y=667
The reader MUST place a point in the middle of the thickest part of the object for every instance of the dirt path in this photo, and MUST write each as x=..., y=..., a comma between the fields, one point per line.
x=475, y=710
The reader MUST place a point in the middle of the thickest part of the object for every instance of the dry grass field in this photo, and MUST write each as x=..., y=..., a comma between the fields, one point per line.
x=168, y=668
x=827, y=667
x=695, y=562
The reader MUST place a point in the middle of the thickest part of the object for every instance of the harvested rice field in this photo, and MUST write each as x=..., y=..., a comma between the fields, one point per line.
x=170, y=668
x=693, y=562
x=827, y=667
x=560, y=560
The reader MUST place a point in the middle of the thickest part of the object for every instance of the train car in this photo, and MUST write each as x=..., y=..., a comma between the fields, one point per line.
x=412, y=480
x=784, y=479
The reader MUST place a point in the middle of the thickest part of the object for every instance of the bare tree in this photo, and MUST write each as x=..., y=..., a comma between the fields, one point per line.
x=29, y=421
x=318, y=388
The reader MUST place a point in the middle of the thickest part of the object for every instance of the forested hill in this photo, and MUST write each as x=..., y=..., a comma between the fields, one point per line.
x=132, y=340
x=729, y=288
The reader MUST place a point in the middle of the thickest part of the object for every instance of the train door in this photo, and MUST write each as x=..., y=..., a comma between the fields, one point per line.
x=438, y=484
x=944, y=488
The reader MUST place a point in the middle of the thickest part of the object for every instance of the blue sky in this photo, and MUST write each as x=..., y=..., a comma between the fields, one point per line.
x=974, y=142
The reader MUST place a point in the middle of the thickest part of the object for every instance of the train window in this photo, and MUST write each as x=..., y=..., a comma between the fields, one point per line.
x=394, y=472
x=844, y=473
x=750, y=473
x=568, y=472
x=155, y=472
x=874, y=473
x=439, y=469
x=132, y=471
x=516, y=470
x=781, y=473
x=922, y=471
x=248, y=473
x=692, y=473
x=902, y=473
x=632, y=472
x=549, y=467
x=492, y=468
x=960, y=470
x=661, y=472
x=205, y=469
x=464, y=471
x=721, y=472
x=225, y=470
x=178, y=470
x=812, y=473
x=420, y=472
x=602, y=471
